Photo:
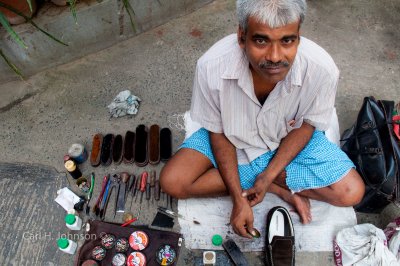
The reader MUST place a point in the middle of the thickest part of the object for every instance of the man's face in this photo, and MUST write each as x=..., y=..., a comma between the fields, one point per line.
x=271, y=52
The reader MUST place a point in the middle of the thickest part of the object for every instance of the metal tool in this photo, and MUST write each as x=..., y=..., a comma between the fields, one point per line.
x=114, y=182
x=138, y=186
x=96, y=207
x=148, y=194
x=143, y=183
x=157, y=190
x=90, y=193
x=122, y=192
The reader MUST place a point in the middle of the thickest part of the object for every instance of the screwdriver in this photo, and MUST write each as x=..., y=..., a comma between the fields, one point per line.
x=143, y=183
x=152, y=182
x=148, y=189
x=137, y=186
x=157, y=190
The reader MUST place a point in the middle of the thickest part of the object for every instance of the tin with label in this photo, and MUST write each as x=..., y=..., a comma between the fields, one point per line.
x=108, y=241
x=119, y=259
x=78, y=153
x=136, y=259
x=121, y=245
x=138, y=240
x=165, y=255
x=98, y=253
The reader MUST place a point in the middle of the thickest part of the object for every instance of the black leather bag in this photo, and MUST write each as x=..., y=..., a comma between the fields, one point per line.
x=370, y=144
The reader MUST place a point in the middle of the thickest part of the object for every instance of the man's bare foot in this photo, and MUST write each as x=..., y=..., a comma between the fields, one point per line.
x=302, y=205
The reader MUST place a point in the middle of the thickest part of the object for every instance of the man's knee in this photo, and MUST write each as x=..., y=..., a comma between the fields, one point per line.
x=171, y=183
x=352, y=190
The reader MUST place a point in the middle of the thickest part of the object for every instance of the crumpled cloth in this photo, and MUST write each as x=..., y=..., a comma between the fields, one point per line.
x=362, y=245
x=125, y=103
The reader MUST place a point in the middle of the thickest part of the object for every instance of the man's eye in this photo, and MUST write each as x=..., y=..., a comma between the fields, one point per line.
x=261, y=41
x=287, y=41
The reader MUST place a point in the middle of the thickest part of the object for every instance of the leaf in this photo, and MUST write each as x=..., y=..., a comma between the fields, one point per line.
x=29, y=20
x=30, y=5
x=11, y=65
x=129, y=9
x=72, y=7
x=13, y=34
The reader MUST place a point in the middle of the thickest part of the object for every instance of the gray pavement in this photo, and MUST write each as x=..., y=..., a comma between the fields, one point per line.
x=42, y=116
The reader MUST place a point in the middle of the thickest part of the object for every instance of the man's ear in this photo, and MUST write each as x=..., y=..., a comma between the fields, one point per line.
x=241, y=37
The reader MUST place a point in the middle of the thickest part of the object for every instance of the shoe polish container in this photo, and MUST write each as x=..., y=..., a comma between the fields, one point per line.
x=66, y=245
x=73, y=222
x=209, y=258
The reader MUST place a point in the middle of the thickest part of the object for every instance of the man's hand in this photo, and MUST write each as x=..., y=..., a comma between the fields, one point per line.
x=256, y=194
x=242, y=218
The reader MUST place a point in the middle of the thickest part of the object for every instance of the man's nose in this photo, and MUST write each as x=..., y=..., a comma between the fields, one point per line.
x=274, y=53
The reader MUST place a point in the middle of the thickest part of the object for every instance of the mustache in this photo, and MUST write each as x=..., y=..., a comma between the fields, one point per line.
x=269, y=64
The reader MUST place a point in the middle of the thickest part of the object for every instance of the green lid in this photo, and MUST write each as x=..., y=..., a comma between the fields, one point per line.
x=62, y=243
x=217, y=240
x=70, y=219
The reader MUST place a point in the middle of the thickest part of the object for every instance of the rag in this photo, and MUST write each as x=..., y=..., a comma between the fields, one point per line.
x=125, y=103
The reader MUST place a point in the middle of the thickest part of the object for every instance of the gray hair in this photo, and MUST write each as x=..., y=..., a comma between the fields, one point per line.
x=274, y=13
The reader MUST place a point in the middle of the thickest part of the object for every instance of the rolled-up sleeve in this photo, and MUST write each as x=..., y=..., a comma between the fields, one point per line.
x=320, y=110
x=205, y=106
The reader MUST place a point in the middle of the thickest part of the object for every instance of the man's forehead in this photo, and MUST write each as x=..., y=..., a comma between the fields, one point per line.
x=255, y=25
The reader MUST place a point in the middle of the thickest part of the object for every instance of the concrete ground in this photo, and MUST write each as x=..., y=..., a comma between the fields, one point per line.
x=67, y=104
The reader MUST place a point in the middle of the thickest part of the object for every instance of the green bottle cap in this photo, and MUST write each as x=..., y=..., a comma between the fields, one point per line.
x=62, y=243
x=217, y=240
x=70, y=219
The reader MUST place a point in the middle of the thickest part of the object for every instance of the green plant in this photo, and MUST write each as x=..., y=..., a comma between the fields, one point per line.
x=15, y=36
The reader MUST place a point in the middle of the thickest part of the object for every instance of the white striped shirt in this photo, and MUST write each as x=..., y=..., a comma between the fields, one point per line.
x=224, y=101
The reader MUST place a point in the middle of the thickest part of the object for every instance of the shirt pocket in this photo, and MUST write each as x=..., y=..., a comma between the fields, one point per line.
x=272, y=126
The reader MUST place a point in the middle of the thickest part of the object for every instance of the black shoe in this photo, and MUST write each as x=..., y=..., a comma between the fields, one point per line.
x=279, y=242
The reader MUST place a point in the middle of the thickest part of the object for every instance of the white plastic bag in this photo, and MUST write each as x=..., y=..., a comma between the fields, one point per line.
x=362, y=245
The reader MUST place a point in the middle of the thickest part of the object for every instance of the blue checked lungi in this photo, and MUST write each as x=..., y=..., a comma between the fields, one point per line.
x=320, y=164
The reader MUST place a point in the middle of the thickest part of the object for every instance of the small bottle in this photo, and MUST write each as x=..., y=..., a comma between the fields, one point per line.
x=73, y=222
x=66, y=245
x=72, y=169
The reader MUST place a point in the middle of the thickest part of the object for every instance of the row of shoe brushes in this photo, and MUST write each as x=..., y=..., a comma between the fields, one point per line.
x=140, y=147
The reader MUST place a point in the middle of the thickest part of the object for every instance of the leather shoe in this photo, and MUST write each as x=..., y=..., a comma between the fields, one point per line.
x=279, y=242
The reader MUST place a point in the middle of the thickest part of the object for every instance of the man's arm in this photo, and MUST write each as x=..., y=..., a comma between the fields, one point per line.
x=225, y=156
x=290, y=146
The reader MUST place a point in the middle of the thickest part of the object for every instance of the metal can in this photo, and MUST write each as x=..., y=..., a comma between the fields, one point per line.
x=78, y=152
x=121, y=245
x=108, y=241
x=136, y=259
x=72, y=169
x=98, y=253
x=89, y=263
x=138, y=240
x=165, y=255
x=119, y=259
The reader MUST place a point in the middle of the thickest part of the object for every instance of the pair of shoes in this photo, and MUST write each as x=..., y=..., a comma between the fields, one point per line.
x=279, y=242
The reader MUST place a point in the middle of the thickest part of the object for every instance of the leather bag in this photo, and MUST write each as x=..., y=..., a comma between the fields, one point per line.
x=371, y=145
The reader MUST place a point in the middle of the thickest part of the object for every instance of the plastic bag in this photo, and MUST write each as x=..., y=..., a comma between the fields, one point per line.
x=362, y=245
x=392, y=232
